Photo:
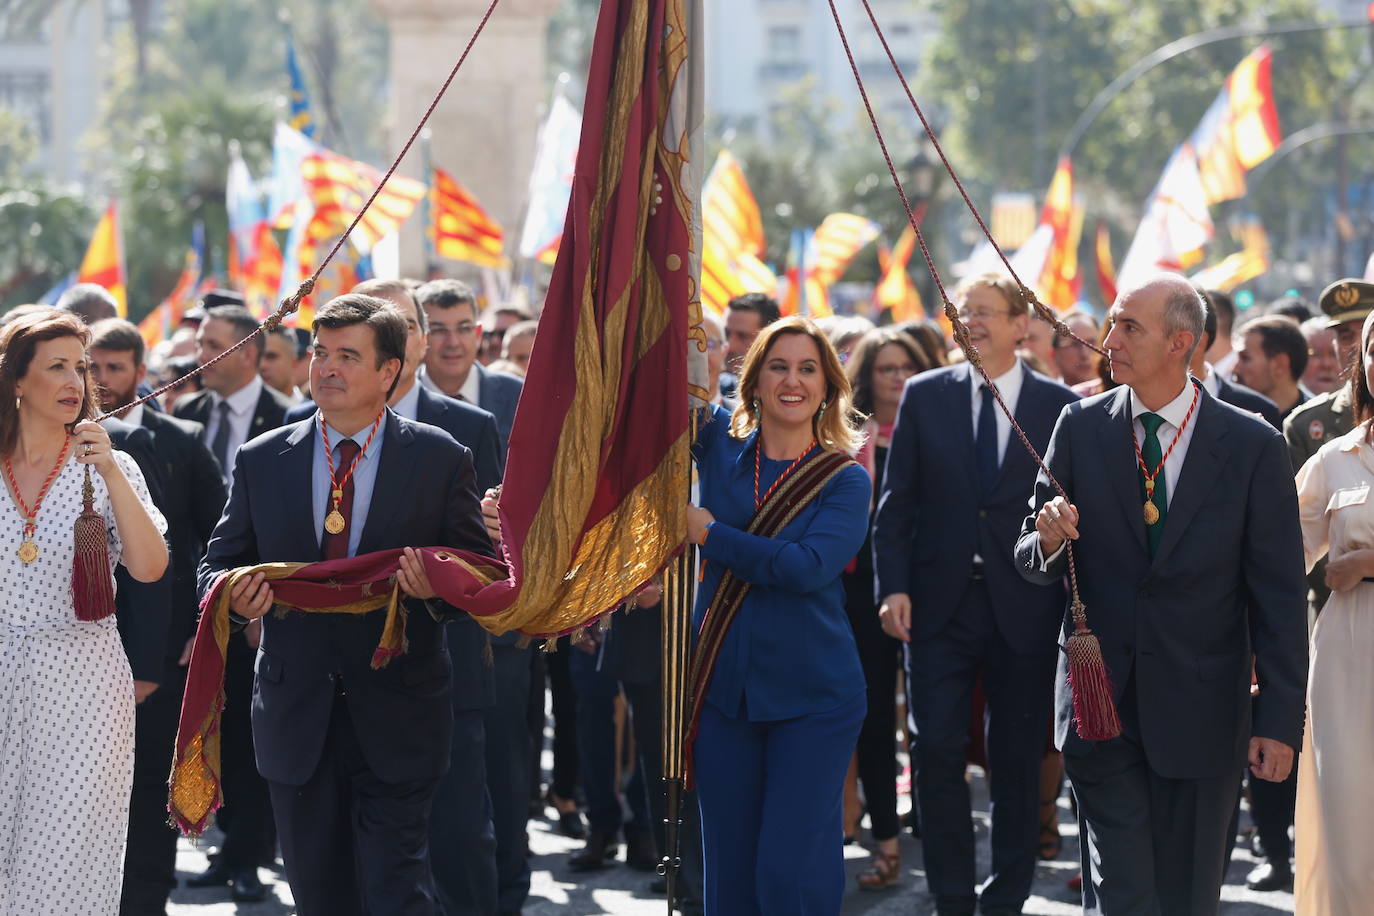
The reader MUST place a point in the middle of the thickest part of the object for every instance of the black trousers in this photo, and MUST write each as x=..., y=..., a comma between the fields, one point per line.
x=461, y=839
x=566, y=764
x=1157, y=846
x=880, y=656
x=352, y=843
x=246, y=818
x=508, y=780
x=151, y=854
x=941, y=673
x=1272, y=806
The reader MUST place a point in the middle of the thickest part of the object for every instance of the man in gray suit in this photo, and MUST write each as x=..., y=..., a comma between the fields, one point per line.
x=1192, y=574
x=451, y=366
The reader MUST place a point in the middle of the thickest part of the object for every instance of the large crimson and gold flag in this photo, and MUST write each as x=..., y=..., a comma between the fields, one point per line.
x=595, y=493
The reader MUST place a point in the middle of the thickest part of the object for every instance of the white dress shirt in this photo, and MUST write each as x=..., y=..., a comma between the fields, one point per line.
x=409, y=404
x=1211, y=381
x=242, y=404
x=134, y=416
x=472, y=387
x=1009, y=383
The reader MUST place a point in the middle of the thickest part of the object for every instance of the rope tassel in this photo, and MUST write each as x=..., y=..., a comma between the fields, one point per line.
x=92, y=583
x=1094, y=711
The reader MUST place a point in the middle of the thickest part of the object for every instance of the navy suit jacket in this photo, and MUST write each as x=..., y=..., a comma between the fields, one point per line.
x=931, y=518
x=498, y=394
x=1227, y=581
x=1238, y=395
x=142, y=609
x=468, y=423
x=193, y=495
x=402, y=712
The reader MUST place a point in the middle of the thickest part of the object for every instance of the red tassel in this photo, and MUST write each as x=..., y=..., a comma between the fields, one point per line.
x=92, y=583
x=1094, y=710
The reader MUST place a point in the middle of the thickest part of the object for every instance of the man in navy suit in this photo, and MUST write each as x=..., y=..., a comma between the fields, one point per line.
x=1227, y=392
x=353, y=755
x=234, y=408
x=1191, y=582
x=462, y=841
x=451, y=366
x=953, y=498
x=191, y=496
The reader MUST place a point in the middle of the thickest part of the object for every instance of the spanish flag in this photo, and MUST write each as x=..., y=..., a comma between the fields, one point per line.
x=459, y=228
x=1059, y=280
x=104, y=260
x=1106, y=269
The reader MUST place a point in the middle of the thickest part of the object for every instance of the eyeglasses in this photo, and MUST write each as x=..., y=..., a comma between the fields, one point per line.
x=981, y=314
x=463, y=330
x=906, y=369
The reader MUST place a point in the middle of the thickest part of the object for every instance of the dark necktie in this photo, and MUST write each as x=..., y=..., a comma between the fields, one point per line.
x=220, y=446
x=985, y=445
x=335, y=546
x=1151, y=451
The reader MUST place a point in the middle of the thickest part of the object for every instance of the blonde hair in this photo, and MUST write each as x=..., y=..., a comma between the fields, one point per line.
x=1009, y=288
x=834, y=426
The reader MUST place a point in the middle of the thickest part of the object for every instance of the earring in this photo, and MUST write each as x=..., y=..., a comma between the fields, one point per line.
x=756, y=407
x=821, y=415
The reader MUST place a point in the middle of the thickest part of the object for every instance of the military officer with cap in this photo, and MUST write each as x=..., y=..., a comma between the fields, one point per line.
x=1308, y=428
x=1321, y=419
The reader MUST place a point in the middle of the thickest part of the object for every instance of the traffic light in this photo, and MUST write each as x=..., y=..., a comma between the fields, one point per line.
x=1244, y=298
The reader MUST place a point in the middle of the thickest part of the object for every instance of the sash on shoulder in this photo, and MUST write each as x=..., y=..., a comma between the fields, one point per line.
x=795, y=492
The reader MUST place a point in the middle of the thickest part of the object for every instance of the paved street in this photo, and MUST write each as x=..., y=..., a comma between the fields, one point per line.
x=622, y=892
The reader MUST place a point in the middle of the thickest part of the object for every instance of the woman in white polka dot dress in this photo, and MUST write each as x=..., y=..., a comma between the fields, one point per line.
x=66, y=695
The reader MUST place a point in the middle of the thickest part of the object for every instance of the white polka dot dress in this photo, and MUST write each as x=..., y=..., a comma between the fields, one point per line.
x=66, y=717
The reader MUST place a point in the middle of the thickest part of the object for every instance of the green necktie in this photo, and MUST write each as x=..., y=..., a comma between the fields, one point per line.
x=1153, y=455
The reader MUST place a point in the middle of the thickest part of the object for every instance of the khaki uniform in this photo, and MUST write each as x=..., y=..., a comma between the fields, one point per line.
x=1317, y=422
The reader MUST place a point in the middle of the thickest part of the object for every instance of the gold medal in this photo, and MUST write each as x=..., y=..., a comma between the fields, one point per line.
x=28, y=552
x=334, y=522
x=1151, y=514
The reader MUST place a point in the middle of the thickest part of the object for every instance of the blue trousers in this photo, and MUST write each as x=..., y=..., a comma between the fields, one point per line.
x=772, y=803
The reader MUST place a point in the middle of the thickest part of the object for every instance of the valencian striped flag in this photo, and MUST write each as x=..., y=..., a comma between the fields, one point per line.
x=162, y=321
x=730, y=215
x=839, y=238
x=1059, y=279
x=459, y=228
x=300, y=116
x=103, y=264
x=338, y=187
x=723, y=277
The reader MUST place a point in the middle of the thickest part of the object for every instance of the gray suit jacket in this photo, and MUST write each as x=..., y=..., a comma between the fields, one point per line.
x=1227, y=582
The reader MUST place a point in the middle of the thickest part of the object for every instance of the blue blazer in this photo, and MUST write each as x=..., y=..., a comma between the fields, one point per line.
x=1238, y=395
x=1227, y=581
x=499, y=393
x=931, y=519
x=790, y=651
x=469, y=424
x=402, y=712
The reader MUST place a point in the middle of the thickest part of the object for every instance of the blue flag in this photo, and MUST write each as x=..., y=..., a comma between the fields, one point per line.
x=300, y=118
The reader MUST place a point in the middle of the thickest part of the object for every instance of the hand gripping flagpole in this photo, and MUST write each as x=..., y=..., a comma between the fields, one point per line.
x=1095, y=713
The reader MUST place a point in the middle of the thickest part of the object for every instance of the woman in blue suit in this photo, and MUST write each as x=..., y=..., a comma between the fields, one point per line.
x=786, y=698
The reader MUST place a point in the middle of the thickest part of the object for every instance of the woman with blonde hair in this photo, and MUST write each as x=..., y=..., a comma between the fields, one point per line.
x=66, y=694
x=779, y=693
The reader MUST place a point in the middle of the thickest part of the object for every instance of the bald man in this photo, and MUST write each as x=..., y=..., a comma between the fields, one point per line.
x=1191, y=571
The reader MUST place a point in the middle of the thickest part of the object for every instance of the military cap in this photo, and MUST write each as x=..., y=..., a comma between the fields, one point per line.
x=1347, y=300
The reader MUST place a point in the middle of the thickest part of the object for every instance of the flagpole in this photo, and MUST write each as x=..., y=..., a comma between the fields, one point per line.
x=427, y=164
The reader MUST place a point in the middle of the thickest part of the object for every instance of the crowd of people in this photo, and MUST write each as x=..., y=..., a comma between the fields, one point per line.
x=883, y=568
